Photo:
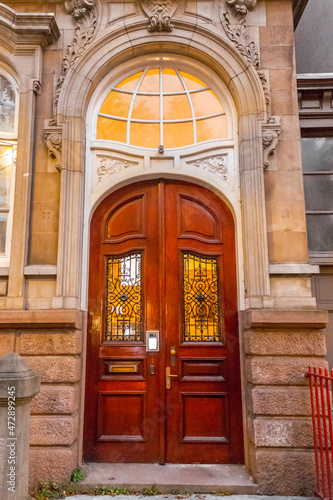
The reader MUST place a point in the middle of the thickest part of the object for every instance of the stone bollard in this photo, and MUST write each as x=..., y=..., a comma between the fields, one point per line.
x=18, y=385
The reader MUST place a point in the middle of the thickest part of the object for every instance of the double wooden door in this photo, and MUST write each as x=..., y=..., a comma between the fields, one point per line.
x=162, y=379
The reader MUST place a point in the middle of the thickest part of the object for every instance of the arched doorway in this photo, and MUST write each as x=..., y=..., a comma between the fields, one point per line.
x=163, y=376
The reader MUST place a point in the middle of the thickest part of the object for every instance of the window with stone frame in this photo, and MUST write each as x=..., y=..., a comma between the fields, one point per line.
x=8, y=141
x=317, y=160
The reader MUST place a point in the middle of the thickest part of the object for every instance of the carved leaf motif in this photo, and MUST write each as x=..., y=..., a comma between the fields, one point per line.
x=160, y=13
x=235, y=28
x=215, y=164
x=85, y=27
x=109, y=166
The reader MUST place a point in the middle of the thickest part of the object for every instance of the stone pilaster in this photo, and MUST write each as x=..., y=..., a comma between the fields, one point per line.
x=279, y=346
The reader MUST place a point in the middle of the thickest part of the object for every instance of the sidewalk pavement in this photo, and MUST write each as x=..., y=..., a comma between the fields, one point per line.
x=198, y=496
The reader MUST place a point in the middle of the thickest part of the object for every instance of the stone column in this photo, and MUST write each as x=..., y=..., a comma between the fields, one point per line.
x=18, y=385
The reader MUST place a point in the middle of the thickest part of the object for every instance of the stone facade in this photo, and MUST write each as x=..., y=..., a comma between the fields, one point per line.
x=61, y=68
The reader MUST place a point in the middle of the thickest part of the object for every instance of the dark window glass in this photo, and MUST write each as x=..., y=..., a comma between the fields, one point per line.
x=320, y=232
x=317, y=159
x=318, y=192
x=317, y=154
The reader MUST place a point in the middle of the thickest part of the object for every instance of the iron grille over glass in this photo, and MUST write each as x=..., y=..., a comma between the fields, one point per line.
x=124, y=298
x=202, y=320
x=161, y=106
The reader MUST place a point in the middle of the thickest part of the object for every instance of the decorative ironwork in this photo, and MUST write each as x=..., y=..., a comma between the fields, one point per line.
x=202, y=322
x=124, y=298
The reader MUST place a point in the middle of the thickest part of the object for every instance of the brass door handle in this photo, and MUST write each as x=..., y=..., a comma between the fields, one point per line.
x=168, y=377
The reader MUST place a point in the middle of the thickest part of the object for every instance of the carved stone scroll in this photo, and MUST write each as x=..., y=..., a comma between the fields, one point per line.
x=111, y=165
x=270, y=137
x=85, y=15
x=234, y=24
x=160, y=13
x=53, y=141
x=214, y=164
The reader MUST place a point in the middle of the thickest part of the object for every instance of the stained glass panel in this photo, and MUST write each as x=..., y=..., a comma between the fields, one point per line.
x=124, y=298
x=202, y=322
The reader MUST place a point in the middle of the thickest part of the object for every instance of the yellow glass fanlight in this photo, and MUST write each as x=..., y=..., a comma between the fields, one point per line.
x=161, y=106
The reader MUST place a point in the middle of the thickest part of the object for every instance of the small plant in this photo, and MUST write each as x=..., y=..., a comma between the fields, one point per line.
x=48, y=491
x=113, y=491
x=221, y=493
x=77, y=475
x=147, y=492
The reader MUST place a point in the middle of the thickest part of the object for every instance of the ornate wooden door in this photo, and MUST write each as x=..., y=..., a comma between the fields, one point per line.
x=162, y=259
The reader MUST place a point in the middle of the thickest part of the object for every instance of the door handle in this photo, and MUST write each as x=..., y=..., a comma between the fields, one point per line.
x=168, y=377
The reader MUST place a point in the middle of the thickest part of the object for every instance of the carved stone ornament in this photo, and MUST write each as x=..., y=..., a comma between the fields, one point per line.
x=85, y=15
x=111, y=165
x=270, y=137
x=160, y=13
x=234, y=24
x=214, y=164
x=53, y=141
x=37, y=87
x=242, y=6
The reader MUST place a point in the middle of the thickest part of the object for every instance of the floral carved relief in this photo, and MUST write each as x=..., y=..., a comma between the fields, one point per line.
x=214, y=164
x=85, y=15
x=234, y=24
x=159, y=13
x=112, y=165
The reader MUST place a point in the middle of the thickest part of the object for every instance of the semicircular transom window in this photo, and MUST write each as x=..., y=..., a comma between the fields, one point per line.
x=161, y=106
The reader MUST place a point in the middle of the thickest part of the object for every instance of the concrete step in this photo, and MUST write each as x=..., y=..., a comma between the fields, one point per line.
x=171, y=478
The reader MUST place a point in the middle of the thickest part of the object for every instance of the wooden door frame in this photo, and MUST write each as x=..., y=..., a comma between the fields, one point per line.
x=162, y=236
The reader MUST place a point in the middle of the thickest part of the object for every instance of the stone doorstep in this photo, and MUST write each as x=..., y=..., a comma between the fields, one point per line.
x=197, y=478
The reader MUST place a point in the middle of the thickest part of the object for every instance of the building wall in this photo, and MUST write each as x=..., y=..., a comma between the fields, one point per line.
x=314, y=58
x=44, y=304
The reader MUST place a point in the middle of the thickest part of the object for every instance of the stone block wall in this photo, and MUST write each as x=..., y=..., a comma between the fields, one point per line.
x=51, y=344
x=278, y=348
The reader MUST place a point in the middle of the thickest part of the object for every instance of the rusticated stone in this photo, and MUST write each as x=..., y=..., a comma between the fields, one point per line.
x=51, y=342
x=7, y=341
x=281, y=432
x=280, y=371
x=284, y=472
x=279, y=400
x=53, y=430
x=47, y=465
x=55, y=369
x=56, y=399
x=285, y=342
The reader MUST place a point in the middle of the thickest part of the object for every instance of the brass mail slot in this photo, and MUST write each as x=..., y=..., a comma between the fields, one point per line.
x=123, y=367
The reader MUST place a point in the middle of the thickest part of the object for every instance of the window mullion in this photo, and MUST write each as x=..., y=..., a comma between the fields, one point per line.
x=128, y=133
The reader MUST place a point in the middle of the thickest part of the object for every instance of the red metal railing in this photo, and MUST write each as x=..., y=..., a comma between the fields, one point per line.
x=321, y=384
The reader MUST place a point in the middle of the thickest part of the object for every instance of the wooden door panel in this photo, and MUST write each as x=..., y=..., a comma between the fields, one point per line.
x=190, y=212
x=127, y=221
x=211, y=424
x=206, y=426
x=121, y=416
x=203, y=370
